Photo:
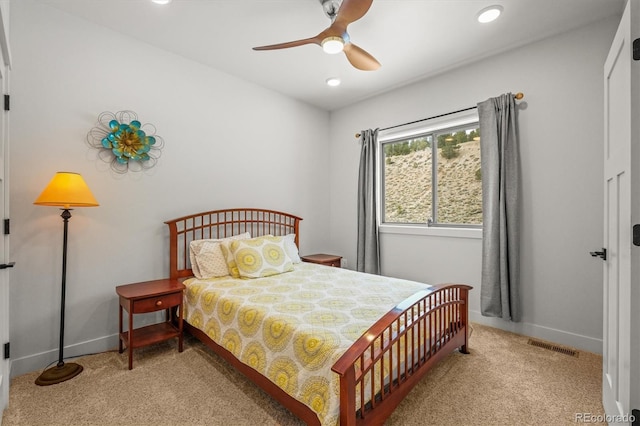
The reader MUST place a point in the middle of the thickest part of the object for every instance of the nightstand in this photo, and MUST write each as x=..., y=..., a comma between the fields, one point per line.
x=323, y=259
x=145, y=297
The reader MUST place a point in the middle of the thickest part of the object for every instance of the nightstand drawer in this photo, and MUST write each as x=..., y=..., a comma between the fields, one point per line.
x=156, y=303
x=323, y=259
x=335, y=263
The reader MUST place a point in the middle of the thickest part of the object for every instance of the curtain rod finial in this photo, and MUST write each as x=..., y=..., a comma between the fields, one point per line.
x=358, y=135
x=519, y=95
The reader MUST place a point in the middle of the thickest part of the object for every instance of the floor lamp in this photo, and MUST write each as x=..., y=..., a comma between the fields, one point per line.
x=65, y=190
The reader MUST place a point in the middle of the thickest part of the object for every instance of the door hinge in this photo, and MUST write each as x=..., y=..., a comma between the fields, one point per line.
x=7, y=102
x=601, y=254
x=7, y=350
x=7, y=226
x=636, y=235
x=636, y=49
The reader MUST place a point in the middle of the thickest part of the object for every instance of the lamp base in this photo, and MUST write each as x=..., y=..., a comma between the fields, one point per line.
x=59, y=373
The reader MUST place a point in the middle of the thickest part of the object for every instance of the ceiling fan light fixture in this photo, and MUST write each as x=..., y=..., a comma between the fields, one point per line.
x=333, y=45
x=489, y=14
x=161, y=1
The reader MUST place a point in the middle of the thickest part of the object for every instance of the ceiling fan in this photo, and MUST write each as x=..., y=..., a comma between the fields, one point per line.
x=335, y=38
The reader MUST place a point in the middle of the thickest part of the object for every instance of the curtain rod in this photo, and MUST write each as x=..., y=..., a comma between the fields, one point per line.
x=517, y=96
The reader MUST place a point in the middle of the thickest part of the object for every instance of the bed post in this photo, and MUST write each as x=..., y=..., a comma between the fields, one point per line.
x=348, y=397
x=296, y=229
x=173, y=250
x=464, y=296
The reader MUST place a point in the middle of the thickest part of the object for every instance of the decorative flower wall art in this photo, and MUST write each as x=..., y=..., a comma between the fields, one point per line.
x=124, y=142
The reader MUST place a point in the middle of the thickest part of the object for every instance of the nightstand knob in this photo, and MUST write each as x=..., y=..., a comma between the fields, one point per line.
x=159, y=303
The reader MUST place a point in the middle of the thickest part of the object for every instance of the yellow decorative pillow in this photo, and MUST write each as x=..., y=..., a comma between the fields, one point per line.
x=228, y=257
x=207, y=259
x=260, y=257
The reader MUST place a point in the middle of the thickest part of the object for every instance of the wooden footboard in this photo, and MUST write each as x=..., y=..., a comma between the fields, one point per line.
x=392, y=356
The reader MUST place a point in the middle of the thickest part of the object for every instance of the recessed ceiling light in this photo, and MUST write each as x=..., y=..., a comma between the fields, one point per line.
x=161, y=1
x=333, y=81
x=489, y=14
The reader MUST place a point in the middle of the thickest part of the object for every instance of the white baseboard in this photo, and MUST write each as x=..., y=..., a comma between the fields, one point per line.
x=42, y=360
x=4, y=398
x=560, y=337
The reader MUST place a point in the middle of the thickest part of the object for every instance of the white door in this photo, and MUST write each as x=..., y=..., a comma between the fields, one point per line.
x=620, y=376
x=5, y=363
x=4, y=252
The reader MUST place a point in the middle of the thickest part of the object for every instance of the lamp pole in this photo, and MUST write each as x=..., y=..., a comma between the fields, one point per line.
x=61, y=371
x=66, y=215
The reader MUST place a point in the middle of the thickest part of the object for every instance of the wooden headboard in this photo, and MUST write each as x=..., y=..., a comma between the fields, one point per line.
x=223, y=224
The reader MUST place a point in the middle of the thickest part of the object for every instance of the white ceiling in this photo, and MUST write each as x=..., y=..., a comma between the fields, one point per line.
x=412, y=39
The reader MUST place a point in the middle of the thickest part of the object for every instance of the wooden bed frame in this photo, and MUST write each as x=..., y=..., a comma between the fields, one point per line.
x=441, y=311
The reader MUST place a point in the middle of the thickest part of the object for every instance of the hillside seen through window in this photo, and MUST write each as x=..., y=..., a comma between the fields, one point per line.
x=435, y=184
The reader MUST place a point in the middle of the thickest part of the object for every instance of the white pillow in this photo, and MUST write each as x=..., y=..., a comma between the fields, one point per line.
x=206, y=257
x=291, y=248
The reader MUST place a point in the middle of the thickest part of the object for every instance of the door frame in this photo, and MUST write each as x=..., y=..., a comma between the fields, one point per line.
x=635, y=215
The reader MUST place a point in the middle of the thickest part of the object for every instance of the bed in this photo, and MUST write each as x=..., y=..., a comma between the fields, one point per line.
x=331, y=345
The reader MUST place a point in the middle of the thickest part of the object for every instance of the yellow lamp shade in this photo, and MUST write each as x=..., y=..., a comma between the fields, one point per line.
x=67, y=190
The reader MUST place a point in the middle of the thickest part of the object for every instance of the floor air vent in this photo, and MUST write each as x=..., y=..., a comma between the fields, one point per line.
x=555, y=348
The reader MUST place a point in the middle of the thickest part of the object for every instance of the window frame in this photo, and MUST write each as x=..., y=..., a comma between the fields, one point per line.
x=445, y=124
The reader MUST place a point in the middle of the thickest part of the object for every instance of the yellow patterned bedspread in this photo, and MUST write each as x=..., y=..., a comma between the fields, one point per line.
x=292, y=327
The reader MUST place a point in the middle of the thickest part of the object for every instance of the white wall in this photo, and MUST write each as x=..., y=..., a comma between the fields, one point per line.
x=561, y=128
x=228, y=143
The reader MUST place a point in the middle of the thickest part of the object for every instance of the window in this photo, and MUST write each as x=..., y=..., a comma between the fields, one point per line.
x=433, y=177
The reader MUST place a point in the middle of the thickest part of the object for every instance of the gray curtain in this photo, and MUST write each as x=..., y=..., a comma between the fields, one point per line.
x=500, y=158
x=368, y=240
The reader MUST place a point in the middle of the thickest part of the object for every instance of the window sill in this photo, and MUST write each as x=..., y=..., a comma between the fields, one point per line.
x=435, y=231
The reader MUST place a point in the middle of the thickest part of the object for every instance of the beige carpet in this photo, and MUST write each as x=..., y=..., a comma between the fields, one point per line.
x=504, y=381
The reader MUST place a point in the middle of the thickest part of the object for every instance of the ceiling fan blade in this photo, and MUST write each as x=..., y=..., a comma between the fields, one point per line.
x=352, y=10
x=360, y=58
x=311, y=40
